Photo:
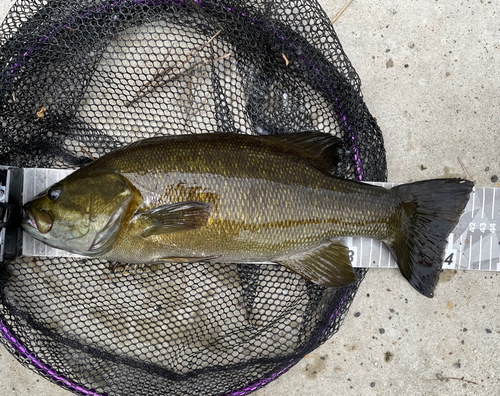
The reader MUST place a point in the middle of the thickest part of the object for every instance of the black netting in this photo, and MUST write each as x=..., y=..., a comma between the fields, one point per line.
x=81, y=78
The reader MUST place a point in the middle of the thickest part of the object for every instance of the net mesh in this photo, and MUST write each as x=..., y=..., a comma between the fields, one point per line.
x=81, y=78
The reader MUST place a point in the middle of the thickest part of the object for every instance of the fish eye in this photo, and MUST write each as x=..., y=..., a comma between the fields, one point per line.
x=54, y=193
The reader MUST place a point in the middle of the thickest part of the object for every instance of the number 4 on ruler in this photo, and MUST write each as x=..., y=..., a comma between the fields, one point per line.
x=450, y=254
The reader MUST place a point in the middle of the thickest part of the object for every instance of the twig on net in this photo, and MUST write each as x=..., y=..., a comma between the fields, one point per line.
x=87, y=153
x=178, y=69
x=159, y=74
x=177, y=75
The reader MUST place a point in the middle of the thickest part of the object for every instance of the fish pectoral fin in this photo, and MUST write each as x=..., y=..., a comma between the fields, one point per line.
x=328, y=266
x=186, y=259
x=176, y=217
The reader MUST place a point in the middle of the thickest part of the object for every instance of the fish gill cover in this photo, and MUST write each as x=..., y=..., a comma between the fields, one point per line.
x=81, y=78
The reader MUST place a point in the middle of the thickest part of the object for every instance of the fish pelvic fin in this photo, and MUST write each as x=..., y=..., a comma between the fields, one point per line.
x=176, y=217
x=328, y=265
x=429, y=211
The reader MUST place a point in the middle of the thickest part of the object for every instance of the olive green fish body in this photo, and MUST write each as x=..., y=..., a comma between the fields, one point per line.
x=245, y=199
x=267, y=204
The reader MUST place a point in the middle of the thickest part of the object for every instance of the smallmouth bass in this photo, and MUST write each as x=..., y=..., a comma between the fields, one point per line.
x=234, y=198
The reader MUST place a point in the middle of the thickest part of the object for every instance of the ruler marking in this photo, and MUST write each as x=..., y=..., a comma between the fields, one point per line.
x=449, y=245
x=480, y=250
x=482, y=208
x=473, y=200
x=371, y=251
x=360, y=251
x=34, y=184
x=379, y=255
x=461, y=251
x=470, y=250
x=493, y=205
x=491, y=248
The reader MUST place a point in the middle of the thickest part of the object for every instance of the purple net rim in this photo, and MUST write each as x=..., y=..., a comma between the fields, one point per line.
x=43, y=368
x=109, y=7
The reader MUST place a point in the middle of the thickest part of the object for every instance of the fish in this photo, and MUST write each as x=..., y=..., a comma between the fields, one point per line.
x=236, y=198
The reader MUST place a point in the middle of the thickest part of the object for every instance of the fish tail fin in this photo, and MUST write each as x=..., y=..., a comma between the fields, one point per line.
x=429, y=211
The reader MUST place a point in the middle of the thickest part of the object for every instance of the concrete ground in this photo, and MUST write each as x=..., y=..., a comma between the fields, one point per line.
x=430, y=73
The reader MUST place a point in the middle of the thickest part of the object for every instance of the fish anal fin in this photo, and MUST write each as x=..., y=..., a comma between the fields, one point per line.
x=176, y=217
x=328, y=265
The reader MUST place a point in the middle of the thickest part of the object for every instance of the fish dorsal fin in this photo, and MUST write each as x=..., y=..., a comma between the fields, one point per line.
x=328, y=265
x=176, y=217
x=322, y=150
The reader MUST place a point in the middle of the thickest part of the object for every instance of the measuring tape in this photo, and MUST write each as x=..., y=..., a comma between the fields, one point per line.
x=473, y=244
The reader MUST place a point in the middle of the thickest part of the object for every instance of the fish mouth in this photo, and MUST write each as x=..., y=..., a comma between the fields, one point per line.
x=31, y=222
x=41, y=223
x=28, y=220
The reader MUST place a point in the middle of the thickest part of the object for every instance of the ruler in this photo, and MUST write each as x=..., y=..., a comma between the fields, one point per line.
x=473, y=244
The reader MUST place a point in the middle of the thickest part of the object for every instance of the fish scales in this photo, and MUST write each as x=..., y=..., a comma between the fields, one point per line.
x=267, y=203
